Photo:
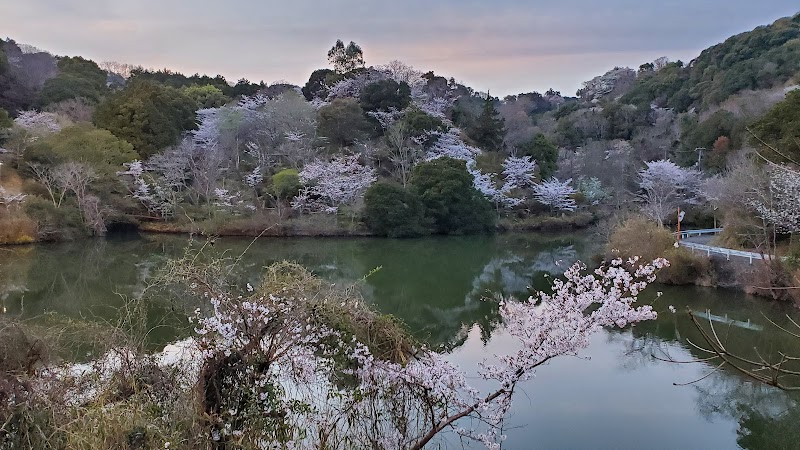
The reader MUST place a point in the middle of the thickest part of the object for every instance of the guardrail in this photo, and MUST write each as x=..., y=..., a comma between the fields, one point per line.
x=728, y=321
x=724, y=251
x=689, y=233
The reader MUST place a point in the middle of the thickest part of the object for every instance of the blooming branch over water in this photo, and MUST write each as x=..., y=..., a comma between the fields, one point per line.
x=286, y=360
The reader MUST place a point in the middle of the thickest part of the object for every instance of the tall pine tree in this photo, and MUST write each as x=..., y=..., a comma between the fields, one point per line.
x=489, y=129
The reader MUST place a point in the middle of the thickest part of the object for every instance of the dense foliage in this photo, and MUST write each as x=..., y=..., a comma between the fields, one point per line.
x=758, y=59
x=393, y=211
x=451, y=202
x=779, y=130
x=148, y=115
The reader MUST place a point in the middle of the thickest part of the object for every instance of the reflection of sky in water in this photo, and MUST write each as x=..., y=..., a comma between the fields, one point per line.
x=594, y=402
x=620, y=398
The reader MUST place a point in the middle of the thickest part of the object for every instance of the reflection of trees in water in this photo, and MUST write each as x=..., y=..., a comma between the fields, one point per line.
x=15, y=264
x=767, y=417
x=555, y=261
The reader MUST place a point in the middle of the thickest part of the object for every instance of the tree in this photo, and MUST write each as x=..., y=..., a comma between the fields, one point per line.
x=148, y=115
x=344, y=59
x=781, y=207
x=285, y=186
x=519, y=171
x=404, y=153
x=207, y=96
x=342, y=122
x=38, y=122
x=544, y=152
x=318, y=84
x=488, y=130
x=451, y=201
x=778, y=132
x=77, y=78
x=399, y=395
x=329, y=185
x=558, y=195
x=98, y=149
x=393, y=211
x=385, y=95
x=592, y=190
x=665, y=186
x=5, y=120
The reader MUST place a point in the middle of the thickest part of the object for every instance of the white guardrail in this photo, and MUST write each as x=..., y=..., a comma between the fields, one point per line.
x=689, y=233
x=724, y=251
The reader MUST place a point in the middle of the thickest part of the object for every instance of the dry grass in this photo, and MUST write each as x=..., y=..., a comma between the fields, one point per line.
x=17, y=228
x=638, y=236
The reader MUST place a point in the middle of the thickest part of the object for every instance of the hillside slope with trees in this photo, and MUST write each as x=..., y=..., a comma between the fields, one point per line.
x=392, y=150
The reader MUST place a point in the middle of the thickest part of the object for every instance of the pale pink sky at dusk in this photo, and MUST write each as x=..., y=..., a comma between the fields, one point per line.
x=506, y=46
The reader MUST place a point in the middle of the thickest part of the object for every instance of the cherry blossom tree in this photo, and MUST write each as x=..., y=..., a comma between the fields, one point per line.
x=558, y=195
x=519, y=171
x=271, y=362
x=352, y=86
x=330, y=185
x=665, y=186
x=781, y=206
x=44, y=122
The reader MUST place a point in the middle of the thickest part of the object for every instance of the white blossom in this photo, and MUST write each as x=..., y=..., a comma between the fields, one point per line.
x=781, y=206
x=519, y=171
x=332, y=184
x=386, y=399
x=664, y=186
x=38, y=121
x=558, y=195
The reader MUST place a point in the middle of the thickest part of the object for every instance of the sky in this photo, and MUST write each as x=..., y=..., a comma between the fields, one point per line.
x=504, y=46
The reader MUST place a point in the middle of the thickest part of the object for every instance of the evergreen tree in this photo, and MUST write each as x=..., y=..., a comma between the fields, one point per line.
x=489, y=128
x=544, y=152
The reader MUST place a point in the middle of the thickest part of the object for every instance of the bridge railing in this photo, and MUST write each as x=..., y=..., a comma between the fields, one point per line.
x=709, y=249
x=701, y=232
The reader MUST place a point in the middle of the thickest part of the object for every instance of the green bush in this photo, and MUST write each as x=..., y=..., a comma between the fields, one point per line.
x=286, y=184
x=56, y=224
x=342, y=122
x=451, y=202
x=390, y=210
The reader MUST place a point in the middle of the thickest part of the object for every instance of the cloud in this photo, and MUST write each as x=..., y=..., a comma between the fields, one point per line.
x=509, y=46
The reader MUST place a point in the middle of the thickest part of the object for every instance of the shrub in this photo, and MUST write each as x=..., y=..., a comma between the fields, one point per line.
x=393, y=211
x=286, y=184
x=685, y=267
x=451, y=201
x=16, y=227
x=640, y=237
x=64, y=223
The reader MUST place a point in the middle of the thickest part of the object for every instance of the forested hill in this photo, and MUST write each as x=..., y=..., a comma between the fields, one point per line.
x=156, y=145
x=766, y=57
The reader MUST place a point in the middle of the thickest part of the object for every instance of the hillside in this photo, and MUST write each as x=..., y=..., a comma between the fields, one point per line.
x=109, y=145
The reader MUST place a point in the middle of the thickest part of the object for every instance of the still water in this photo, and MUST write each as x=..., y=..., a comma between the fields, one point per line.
x=616, y=395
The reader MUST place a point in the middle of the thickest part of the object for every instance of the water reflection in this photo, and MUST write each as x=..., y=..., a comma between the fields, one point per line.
x=622, y=397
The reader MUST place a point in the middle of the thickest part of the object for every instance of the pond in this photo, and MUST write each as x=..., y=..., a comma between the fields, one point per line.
x=616, y=395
